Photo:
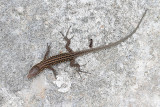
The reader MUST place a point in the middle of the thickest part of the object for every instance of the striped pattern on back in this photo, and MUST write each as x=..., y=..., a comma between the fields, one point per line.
x=55, y=60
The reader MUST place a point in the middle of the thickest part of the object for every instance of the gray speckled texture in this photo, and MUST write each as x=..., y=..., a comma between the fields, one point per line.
x=127, y=75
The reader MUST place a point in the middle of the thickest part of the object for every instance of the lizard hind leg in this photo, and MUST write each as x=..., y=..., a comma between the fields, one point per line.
x=73, y=64
x=68, y=41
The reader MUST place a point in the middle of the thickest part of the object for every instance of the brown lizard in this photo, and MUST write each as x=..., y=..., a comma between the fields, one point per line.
x=71, y=55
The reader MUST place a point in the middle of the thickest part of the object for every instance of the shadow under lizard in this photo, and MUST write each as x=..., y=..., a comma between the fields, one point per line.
x=71, y=55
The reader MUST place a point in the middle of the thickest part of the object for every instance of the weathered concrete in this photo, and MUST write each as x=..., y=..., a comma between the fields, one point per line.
x=127, y=75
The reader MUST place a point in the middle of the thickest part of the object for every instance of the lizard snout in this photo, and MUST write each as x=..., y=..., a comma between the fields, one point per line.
x=33, y=72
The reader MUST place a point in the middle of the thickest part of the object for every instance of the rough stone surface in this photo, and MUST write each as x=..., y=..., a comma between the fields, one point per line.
x=127, y=75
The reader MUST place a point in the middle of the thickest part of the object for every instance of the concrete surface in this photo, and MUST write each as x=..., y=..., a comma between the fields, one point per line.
x=127, y=75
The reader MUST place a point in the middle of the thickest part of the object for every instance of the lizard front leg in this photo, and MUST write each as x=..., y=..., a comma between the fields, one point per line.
x=68, y=41
x=46, y=56
x=54, y=71
x=47, y=52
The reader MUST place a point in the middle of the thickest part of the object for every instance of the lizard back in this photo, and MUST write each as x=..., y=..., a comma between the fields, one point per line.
x=55, y=60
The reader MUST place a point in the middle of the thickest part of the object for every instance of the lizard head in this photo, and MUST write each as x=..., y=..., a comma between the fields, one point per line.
x=33, y=72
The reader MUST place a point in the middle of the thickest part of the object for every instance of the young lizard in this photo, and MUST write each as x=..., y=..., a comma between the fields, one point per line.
x=71, y=55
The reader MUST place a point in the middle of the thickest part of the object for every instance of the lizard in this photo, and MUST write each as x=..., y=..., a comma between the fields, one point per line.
x=47, y=62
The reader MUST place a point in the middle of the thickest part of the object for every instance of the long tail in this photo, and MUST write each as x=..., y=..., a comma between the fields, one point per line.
x=111, y=44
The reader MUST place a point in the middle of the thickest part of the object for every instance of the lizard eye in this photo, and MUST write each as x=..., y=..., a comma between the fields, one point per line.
x=33, y=72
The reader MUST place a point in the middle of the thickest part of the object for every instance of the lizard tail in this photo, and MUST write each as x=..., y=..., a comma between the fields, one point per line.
x=110, y=44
